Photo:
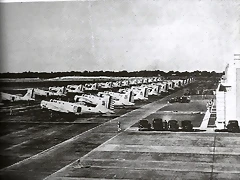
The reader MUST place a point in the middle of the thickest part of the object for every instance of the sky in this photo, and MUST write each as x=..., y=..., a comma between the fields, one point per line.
x=178, y=35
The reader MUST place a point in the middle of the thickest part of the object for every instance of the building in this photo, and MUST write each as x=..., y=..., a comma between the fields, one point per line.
x=228, y=95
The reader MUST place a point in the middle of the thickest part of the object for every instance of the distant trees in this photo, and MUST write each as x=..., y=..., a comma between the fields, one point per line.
x=124, y=73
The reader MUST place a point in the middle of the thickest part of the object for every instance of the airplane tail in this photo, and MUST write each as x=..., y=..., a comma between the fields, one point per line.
x=109, y=102
x=95, y=86
x=81, y=88
x=127, y=98
x=64, y=90
x=142, y=94
x=106, y=105
x=30, y=94
x=145, y=92
x=131, y=97
x=61, y=90
x=159, y=89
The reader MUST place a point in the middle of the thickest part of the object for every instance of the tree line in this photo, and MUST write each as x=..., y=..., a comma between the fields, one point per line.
x=145, y=73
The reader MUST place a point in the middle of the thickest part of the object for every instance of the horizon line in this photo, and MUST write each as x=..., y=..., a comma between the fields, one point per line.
x=106, y=71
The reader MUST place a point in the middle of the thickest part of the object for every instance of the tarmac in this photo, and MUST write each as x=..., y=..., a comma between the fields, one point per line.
x=106, y=153
x=136, y=154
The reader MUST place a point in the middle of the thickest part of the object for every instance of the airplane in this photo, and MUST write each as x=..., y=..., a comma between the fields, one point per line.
x=145, y=81
x=169, y=85
x=61, y=106
x=178, y=83
x=29, y=96
x=125, y=83
x=78, y=89
x=140, y=93
x=121, y=99
x=154, y=89
x=53, y=91
x=90, y=87
x=57, y=91
x=107, y=85
x=96, y=104
x=117, y=84
x=133, y=82
x=164, y=87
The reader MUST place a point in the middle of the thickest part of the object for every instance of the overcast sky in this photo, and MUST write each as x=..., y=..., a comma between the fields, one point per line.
x=119, y=35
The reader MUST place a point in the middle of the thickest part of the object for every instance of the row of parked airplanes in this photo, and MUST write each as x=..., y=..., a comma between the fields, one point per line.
x=97, y=97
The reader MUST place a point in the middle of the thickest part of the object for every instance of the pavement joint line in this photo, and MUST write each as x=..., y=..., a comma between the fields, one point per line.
x=65, y=167
x=151, y=168
x=226, y=172
x=155, y=161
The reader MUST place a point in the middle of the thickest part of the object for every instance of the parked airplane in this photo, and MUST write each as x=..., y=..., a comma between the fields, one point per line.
x=53, y=91
x=125, y=83
x=121, y=99
x=76, y=89
x=57, y=91
x=29, y=96
x=164, y=87
x=178, y=83
x=154, y=90
x=117, y=84
x=140, y=93
x=90, y=87
x=61, y=106
x=96, y=104
x=106, y=85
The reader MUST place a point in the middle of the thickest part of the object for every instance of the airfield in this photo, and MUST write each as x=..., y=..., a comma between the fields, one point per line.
x=37, y=146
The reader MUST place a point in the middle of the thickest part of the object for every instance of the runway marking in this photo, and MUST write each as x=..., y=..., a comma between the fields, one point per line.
x=14, y=146
x=17, y=132
x=50, y=133
x=25, y=142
